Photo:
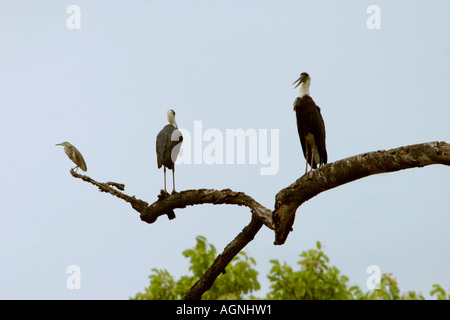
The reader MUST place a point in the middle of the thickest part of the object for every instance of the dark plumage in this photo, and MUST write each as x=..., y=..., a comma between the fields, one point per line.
x=310, y=125
x=168, y=144
x=165, y=146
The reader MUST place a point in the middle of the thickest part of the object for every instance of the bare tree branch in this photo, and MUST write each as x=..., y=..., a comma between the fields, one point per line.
x=223, y=259
x=287, y=200
x=315, y=182
x=350, y=169
x=179, y=200
x=137, y=204
x=166, y=203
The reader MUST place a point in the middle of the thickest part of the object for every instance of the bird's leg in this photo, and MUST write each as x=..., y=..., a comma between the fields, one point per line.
x=312, y=154
x=173, y=177
x=165, y=179
x=307, y=159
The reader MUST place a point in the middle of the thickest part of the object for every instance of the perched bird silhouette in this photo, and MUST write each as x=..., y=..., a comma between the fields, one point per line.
x=74, y=155
x=168, y=144
x=310, y=125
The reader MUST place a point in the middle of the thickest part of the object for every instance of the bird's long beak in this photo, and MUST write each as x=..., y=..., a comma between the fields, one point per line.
x=299, y=80
x=58, y=144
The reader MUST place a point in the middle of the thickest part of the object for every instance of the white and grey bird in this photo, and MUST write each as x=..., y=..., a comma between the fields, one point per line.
x=168, y=144
x=74, y=155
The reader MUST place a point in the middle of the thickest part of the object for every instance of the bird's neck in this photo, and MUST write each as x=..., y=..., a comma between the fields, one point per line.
x=171, y=120
x=304, y=90
x=173, y=123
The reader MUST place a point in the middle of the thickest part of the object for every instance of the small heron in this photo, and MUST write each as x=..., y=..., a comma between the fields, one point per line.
x=74, y=155
x=168, y=144
x=310, y=125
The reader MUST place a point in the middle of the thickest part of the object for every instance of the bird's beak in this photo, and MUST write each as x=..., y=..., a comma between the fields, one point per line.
x=299, y=80
x=58, y=144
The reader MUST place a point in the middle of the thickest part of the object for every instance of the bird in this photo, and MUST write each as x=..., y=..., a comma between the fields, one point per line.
x=74, y=155
x=168, y=144
x=310, y=125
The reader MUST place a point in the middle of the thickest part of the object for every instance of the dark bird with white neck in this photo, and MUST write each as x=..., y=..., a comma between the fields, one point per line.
x=310, y=125
x=168, y=145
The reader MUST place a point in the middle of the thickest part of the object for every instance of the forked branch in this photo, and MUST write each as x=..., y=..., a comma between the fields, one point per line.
x=287, y=200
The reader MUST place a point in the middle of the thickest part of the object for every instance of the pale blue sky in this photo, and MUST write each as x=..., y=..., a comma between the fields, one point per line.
x=106, y=88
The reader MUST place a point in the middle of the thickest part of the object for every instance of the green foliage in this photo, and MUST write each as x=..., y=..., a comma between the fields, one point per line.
x=238, y=281
x=388, y=290
x=314, y=279
x=162, y=287
x=440, y=293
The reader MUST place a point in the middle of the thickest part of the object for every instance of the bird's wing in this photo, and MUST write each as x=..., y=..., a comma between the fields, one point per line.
x=79, y=160
x=319, y=135
x=73, y=155
x=168, y=144
x=176, y=142
x=301, y=134
x=160, y=145
x=82, y=163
